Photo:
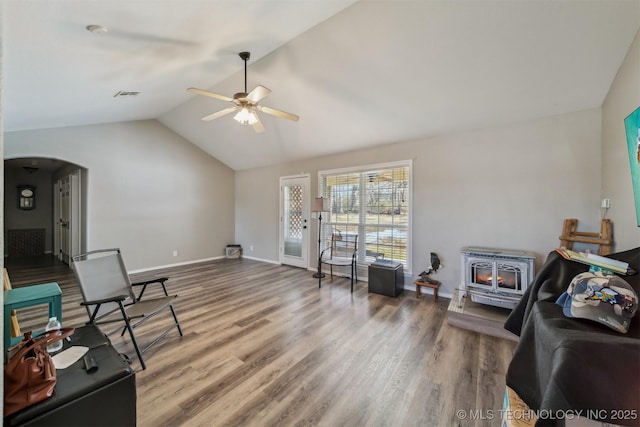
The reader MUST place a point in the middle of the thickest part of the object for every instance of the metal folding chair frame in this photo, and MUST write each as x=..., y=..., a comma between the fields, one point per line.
x=344, y=261
x=157, y=304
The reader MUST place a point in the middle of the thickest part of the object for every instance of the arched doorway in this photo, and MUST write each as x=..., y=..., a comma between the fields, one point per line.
x=53, y=224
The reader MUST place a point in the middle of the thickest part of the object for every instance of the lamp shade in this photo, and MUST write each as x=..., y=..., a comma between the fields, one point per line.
x=321, y=205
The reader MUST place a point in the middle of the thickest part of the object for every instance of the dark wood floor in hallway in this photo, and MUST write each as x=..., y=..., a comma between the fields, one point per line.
x=263, y=346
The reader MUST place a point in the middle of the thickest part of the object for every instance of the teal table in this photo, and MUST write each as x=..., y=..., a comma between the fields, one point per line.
x=29, y=296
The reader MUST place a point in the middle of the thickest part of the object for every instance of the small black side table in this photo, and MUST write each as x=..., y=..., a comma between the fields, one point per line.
x=386, y=278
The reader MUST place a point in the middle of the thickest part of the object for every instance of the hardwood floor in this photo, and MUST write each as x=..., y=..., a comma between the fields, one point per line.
x=263, y=346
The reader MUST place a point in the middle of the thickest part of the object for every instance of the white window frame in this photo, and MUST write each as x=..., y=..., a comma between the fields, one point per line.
x=361, y=224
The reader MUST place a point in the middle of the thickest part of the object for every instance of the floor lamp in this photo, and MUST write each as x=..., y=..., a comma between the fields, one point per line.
x=320, y=205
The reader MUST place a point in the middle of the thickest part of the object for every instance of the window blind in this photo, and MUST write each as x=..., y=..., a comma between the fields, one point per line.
x=373, y=202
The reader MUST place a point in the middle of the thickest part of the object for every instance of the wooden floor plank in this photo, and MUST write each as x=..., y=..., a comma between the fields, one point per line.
x=264, y=346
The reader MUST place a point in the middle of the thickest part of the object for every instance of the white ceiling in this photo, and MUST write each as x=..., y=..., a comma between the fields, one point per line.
x=358, y=74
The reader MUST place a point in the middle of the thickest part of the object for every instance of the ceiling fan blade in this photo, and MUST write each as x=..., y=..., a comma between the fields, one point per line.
x=258, y=93
x=209, y=94
x=278, y=113
x=257, y=126
x=219, y=113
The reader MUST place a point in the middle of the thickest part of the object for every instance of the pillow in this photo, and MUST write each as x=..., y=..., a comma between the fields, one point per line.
x=609, y=300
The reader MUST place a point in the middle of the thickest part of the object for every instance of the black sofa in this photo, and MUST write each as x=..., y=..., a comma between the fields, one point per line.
x=563, y=364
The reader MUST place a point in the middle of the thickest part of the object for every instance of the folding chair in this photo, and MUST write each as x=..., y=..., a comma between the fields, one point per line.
x=108, y=294
x=342, y=252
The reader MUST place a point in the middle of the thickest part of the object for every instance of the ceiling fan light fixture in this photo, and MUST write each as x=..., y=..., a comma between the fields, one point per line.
x=246, y=116
x=245, y=103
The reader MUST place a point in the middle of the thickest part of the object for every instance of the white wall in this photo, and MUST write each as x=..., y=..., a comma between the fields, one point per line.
x=507, y=187
x=623, y=98
x=150, y=191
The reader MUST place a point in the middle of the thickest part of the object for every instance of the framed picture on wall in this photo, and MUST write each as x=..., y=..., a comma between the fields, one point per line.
x=632, y=127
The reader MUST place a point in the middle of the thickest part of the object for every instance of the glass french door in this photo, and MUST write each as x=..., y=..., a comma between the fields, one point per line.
x=294, y=221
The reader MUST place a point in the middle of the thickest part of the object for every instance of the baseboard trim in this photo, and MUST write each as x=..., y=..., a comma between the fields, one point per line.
x=263, y=260
x=177, y=264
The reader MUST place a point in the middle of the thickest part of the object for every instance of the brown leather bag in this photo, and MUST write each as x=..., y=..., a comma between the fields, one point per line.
x=30, y=375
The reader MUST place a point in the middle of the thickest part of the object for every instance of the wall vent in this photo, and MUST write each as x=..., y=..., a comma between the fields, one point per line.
x=126, y=94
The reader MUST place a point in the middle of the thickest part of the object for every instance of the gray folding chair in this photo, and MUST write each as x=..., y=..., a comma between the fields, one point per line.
x=108, y=294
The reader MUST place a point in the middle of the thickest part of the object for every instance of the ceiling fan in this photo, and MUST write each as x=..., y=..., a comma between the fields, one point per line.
x=246, y=104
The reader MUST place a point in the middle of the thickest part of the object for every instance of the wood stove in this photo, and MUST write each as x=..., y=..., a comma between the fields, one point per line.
x=497, y=277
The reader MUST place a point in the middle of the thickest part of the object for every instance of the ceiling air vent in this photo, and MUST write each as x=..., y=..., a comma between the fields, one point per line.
x=125, y=94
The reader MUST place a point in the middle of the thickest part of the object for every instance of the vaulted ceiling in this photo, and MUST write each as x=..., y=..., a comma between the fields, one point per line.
x=358, y=74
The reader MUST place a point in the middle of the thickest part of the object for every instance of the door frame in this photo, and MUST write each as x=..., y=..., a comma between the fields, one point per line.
x=303, y=262
x=74, y=230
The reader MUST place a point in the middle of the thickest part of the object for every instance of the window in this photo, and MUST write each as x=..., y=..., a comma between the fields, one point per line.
x=374, y=203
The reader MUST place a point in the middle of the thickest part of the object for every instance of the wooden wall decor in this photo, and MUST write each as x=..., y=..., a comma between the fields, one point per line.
x=603, y=239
